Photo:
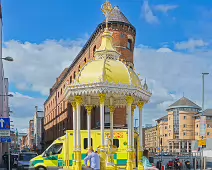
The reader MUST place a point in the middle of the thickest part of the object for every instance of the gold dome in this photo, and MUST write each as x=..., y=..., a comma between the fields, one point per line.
x=108, y=70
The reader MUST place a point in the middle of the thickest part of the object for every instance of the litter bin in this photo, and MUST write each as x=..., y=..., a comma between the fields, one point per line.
x=151, y=159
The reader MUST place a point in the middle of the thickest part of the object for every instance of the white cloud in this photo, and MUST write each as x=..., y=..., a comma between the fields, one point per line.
x=164, y=50
x=23, y=108
x=165, y=8
x=191, y=44
x=36, y=67
x=148, y=14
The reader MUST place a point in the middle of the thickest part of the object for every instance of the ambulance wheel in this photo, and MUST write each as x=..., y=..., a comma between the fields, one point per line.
x=40, y=168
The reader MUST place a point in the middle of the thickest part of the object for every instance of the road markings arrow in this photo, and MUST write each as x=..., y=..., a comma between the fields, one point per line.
x=2, y=123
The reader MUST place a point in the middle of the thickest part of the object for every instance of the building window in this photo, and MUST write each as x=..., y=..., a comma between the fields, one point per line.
x=196, y=133
x=208, y=133
x=85, y=60
x=184, y=125
x=64, y=86
x=122, y=36
x=184, y=133
x=61, y=91
x=116, y=142
x=71, y=79
x=197, y=125
x=58, y=94
x=94, y=49
x=184, y=117
x=86, y=143
x=165, y=135
x=169, y=134
x=129, y=44
x=74, y=75
x=79, y=68
x=165, y=127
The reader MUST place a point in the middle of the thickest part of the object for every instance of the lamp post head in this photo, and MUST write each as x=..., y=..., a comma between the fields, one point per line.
x=205, y=73
x=8, y=58
x=10, y=95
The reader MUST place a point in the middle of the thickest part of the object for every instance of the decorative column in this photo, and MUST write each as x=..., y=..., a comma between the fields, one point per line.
x=74, y=129
x=102, y=126
x=110, y=161
x=187, y=146
x=89, y=109
x=179, y=146
x=172, y=147
x=133, y=136
x=140, y=152
x=78, y=100
x=129, y=100
x=112, y=109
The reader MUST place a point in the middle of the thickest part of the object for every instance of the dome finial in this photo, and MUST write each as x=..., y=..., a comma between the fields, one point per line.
x=107, y=9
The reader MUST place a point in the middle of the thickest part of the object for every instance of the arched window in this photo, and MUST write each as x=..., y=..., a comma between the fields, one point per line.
x=74, y=75
x=85, y=60
x=129, y=44
x=94, y=49
x=79, y=68
x=71, y=79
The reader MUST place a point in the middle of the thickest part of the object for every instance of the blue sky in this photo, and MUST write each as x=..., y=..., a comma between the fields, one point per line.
x=38, y=20
x=182, y=27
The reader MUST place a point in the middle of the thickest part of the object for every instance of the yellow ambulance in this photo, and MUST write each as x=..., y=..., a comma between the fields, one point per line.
x=60, y=153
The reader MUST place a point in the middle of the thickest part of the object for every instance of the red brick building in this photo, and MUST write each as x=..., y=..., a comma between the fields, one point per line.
x=58, y=112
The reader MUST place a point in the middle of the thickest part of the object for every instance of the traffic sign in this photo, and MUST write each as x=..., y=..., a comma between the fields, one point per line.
x=6, y=140
x=4, y=133
x=4, y=123
x=202, y=143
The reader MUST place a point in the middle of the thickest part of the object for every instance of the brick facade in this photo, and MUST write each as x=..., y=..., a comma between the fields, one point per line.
x=58, y=112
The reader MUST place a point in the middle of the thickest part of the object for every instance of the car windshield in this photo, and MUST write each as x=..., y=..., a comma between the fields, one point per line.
x=26, y=157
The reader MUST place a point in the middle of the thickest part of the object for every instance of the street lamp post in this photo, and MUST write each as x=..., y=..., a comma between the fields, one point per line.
x=203, y=90
x=9, y=95
x=203, y=102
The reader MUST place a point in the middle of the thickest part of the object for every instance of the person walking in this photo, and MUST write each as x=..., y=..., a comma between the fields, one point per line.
x=146, y=163
x=94, y=160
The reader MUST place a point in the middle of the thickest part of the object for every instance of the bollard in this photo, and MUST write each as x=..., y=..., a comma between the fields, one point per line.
x=163, y=167
x=195, y=163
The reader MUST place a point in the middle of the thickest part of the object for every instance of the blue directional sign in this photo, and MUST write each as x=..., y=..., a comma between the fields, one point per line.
x=4, y=123
x=6, y=140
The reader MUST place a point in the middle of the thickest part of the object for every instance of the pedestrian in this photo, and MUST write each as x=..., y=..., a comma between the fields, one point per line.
x=146, y=163
x=94, y=160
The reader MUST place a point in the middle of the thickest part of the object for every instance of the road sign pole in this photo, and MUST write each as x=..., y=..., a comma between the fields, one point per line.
x=8, y=144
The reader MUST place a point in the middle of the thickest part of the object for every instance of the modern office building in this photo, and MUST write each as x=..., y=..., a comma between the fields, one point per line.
x=179, y=128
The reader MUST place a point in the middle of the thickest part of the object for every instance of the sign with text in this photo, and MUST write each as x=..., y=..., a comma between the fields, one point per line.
x=203, y=126
x=202, y=142
x=115, y=135
x=5, y=140
x=4, y=133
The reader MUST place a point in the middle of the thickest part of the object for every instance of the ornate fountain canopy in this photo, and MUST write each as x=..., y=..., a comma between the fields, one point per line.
x=107, y=74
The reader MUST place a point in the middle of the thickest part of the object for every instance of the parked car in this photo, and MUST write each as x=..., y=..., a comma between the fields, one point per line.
x=24, y=159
